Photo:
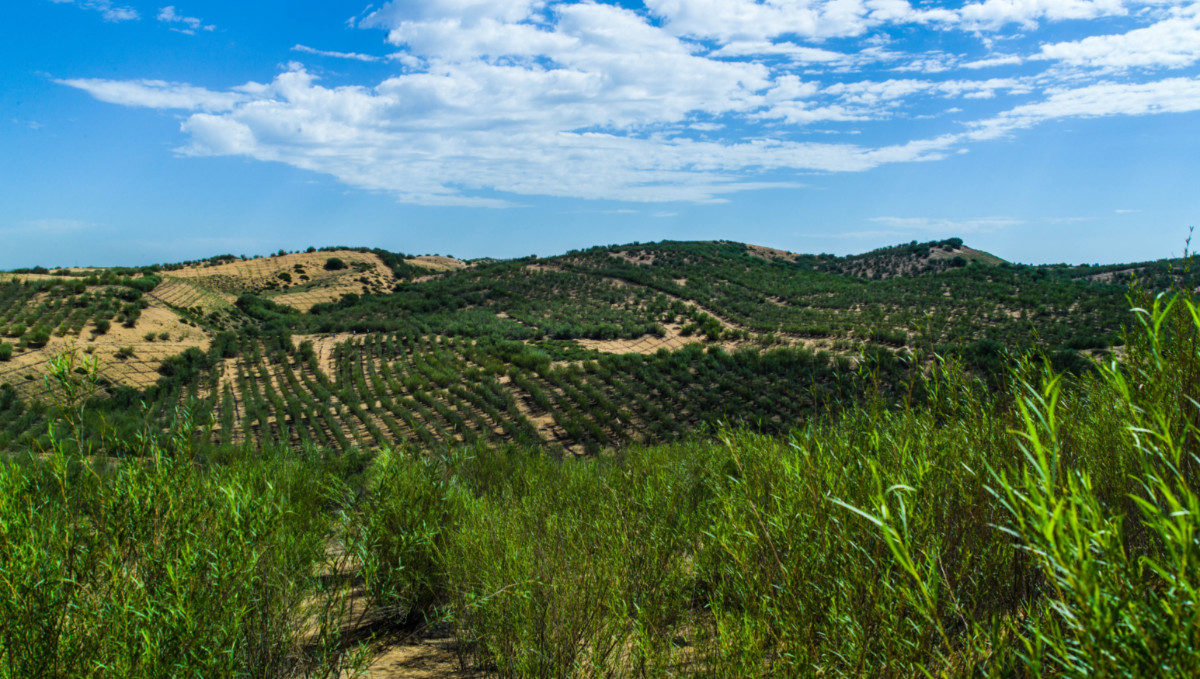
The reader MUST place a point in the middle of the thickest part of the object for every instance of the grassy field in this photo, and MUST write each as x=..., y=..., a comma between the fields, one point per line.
x=1041, y=525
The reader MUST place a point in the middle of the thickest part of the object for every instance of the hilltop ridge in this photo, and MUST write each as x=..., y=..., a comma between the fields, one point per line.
x=591, y=348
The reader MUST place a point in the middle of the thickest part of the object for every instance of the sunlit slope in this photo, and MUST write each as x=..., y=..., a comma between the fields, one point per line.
x=593, y=348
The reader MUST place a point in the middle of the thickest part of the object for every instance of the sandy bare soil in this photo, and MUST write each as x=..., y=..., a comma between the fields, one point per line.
x=26, y=368
x=639, y=257
x=188, y=294
x=26, y=277
x=427, y=655
x=674, y=339
x=323, y=346
x=437, y=262
x=771, y=254
x=310, y=283
x=646, y=344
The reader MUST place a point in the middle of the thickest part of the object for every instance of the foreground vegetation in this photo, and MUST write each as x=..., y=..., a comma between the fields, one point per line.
x=1048, y=527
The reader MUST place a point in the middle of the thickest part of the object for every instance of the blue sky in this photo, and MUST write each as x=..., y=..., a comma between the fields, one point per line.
x=1040, y=130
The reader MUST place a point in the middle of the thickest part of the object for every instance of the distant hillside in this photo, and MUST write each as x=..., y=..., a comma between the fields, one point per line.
x=589, y=349
x=913, y=259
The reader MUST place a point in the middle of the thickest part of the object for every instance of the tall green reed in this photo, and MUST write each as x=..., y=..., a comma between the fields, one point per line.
x=161, y=567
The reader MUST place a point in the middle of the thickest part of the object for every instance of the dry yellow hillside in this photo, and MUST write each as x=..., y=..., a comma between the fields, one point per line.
x=299, y=280
x=437, y=262
x=158, y=334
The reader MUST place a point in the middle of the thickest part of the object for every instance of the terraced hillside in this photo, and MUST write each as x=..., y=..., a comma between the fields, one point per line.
x=590, y=349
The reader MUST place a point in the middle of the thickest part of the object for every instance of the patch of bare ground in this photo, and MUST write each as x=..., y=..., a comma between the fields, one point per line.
x=427, y=654
x=674, y=339
x=324, y=347
x=543, y=268
x=1113, y=276
x=28, y=277
x=140, y=369
x=771, y=254
x=377, y=646
x=437, y=263
x=307, y=296
x=967, y=253
x=299, y=280
x=671, y=340
x=638, y=257
x=227, y=377
x=543, y=422
x=187, y=294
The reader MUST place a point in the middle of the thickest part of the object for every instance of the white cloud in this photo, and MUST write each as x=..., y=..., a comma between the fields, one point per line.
x=1171, y=43
x=368, y=139
x=1172, y=95
x=488, y=101
x=958, y=226
x=427, y=150
x=611, y=70
x=993, y=14
x=109, y=11
x=156, y=94
x=797, y=53
x=189, y=24
x=874, y=94
x=336, y=55
x=749, y=20
x=465, y=11
x=993, y=61
x=731, y=20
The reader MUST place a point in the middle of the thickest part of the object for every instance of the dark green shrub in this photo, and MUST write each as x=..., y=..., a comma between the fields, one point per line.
x=6, y=351
x=37, y=337
x=334, y=264
x=406, y=513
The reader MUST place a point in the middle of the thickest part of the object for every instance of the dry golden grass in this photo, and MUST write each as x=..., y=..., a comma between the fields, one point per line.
x=771, y=254
x=211, y=287
x=331, y=289
x=674, y=339
x=188, y=294
x=139, y=370
x=310, y=282
x=27, y=277
x=971, y=254
x=437, y=263
x=646, y=344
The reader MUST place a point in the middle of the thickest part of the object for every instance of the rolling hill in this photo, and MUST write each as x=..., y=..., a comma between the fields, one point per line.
x=579, y=352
